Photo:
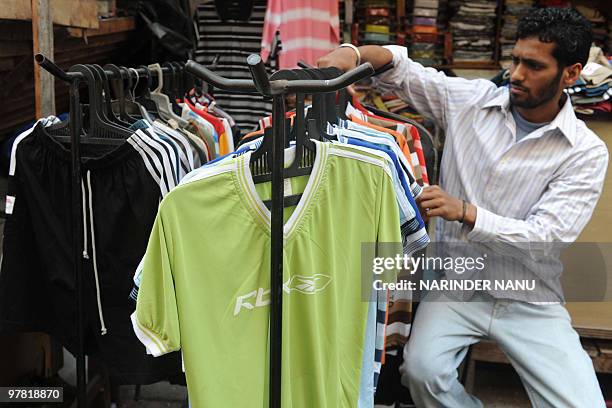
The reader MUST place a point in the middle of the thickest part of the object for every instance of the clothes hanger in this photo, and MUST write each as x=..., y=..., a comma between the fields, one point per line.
x=132, y=108
x=329, y=107
x=163, y=101
x=117, y=85
x=309, y=123
x=105, y=93
x=109, y=126
x=342, y=95
x=261, y=158
x=171, y=88
x=144, y=97
x=179, y=90
x=99, y=132
x=323, y=106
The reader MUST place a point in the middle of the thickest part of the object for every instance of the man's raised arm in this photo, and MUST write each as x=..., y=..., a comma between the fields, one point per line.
x=430, y=92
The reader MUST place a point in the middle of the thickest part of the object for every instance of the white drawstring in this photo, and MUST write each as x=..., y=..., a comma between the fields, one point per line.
x=93, y=251
x=85, y=254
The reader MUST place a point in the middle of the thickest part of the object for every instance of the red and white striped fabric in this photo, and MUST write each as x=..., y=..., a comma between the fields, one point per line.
x=308, y=30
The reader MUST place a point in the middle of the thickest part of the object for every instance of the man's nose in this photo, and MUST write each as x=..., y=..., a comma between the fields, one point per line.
x=518, y=74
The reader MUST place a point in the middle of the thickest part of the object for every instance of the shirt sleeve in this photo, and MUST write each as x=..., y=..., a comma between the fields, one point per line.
x=389, y=239
x=428, y=90
x=155, y=320
x=559, y=216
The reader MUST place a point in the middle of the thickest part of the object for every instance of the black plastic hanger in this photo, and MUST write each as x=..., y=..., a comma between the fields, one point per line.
x=118, y=84
x=330, y=113
x=179, y=90
x=261, y=158
x=343, y=95
x=170, y=86
x=105, y=93
x=99, y=131
x=144, y=97
x=132, y=108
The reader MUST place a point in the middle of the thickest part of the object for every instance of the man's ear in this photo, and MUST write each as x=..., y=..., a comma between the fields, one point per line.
x=571, y=74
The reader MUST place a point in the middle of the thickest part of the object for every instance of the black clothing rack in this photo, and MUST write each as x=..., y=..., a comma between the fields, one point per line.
x=73, y=79
x=277, y=89
x=261, y=84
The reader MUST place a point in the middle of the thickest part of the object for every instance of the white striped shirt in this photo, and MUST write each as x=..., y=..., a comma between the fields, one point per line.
x=542, y=189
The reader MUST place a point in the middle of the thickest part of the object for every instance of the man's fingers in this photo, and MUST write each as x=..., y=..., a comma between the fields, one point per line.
x=436, y=212
x=427, y=195
x=431, y=203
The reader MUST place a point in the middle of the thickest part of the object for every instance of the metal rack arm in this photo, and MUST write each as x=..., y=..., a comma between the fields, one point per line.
x=200, y=71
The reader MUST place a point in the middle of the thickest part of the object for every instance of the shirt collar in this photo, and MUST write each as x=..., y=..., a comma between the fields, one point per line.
x=502, y=100
x=565, y=120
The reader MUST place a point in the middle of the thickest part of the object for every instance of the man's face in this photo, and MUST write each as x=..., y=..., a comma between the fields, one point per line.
x=535, y=77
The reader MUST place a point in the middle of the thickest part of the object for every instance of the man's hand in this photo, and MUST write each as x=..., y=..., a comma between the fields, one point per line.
x=435, y=202
x=343, y=58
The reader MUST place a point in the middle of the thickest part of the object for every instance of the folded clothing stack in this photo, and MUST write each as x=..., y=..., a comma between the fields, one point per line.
x=377, y=18
x=592, y=92
x=609, y=45
x=514, y=10
x=473, y=28
x=427, y=31
x=554, y=3
x=598, y=20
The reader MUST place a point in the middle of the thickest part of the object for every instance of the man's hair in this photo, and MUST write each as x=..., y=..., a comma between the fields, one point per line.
x=567, y=28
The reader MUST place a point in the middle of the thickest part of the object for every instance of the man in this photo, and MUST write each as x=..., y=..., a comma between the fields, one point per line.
x=517, y=167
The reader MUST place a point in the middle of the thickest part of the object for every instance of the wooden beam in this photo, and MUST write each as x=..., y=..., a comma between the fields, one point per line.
x=42, y=34
x=107, y=26
x=74, y=13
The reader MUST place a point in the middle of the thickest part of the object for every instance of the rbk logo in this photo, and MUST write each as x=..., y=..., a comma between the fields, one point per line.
x=307, y=285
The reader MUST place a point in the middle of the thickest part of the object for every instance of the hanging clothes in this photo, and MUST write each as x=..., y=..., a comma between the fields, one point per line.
x=174, y=313
x=121, y=189
x=308, y=29
x=224, y=46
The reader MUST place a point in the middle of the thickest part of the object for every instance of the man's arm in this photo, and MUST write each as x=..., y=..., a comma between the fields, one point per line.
x=561, y=213
x=427, y=90
x=345, y=58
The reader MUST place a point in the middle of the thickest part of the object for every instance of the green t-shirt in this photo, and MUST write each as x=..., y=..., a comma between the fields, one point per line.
x=205, y=285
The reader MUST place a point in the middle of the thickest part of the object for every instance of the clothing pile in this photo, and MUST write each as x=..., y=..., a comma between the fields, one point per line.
x=377, y=22
x=554, y=3
x=592, y=93
x=473, y=28
x=428, y=23
x=609, y=43
x=598, y=22
x=514, y=10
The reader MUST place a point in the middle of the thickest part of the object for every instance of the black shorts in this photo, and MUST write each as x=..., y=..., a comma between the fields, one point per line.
x=122, y=189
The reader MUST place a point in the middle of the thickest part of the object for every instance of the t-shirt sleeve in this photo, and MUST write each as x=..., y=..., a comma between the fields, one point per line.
x=388, y=212
x=155, y=320
x=388, y=236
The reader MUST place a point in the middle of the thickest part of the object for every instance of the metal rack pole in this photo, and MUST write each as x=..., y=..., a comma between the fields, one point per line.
x=57, y=72
x=77, y=221
x=77, y=243
x=262, y=83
